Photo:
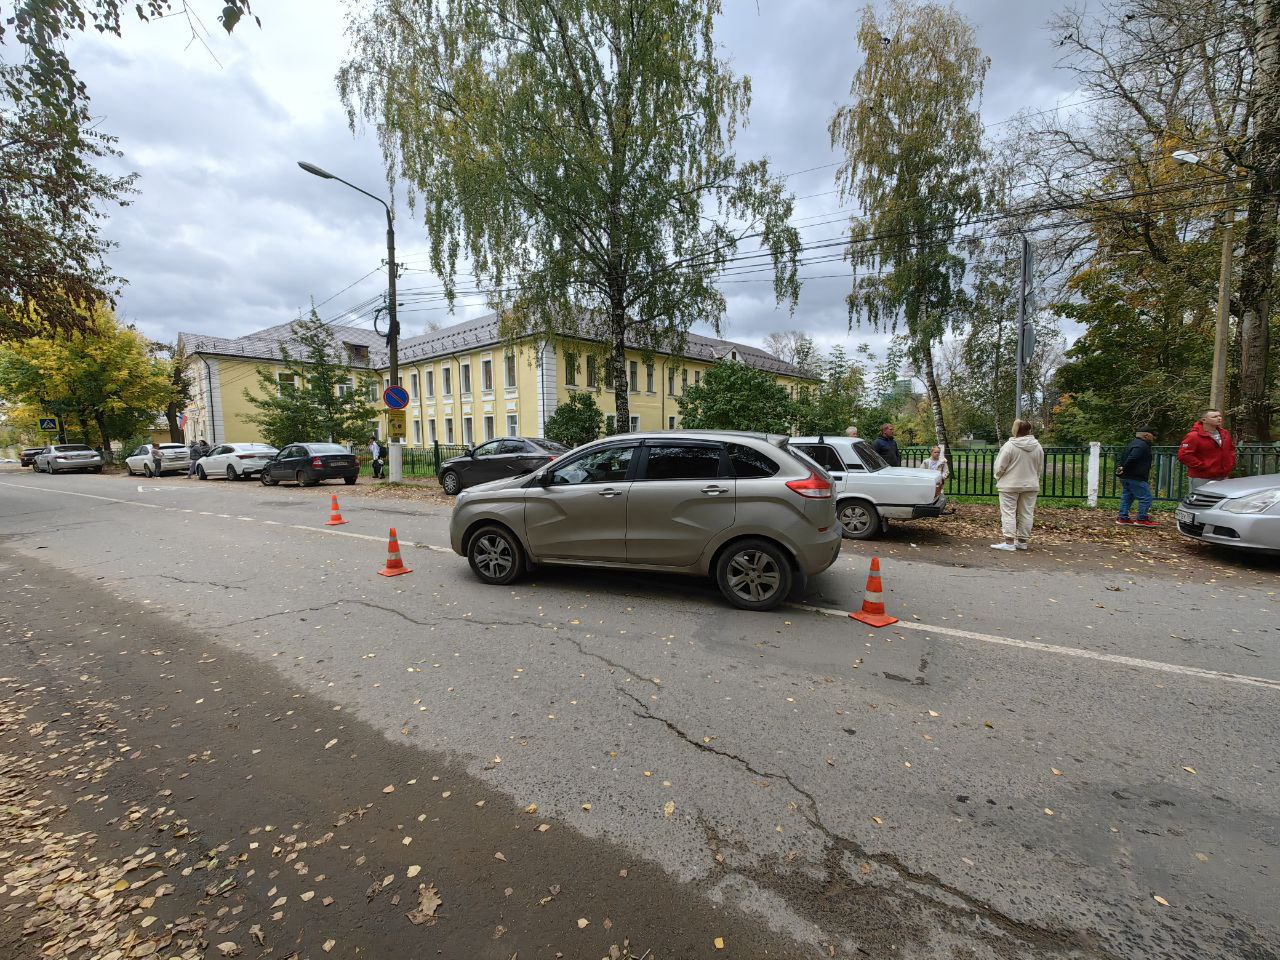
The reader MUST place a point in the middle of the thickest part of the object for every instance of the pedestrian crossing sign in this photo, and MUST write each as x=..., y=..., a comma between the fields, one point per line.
x=48, y=424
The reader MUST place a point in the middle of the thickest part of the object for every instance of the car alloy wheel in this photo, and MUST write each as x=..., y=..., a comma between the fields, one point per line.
x=495, y=556
x=231, y=473
x=451, y=483
x=266, y=479
x=754, y=574
x=858, y=519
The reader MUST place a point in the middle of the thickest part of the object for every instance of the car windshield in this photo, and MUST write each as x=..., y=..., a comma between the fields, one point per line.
x=173, y=446
x=870, y=459
x=326, y=448
x=69, y=447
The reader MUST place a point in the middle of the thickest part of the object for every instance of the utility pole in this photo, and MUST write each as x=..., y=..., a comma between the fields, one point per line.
x=1024, y=295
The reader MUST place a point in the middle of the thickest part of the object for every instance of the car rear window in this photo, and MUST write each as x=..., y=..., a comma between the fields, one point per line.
x=173, y=446
x=822, y=454
x=70, y=447
x=682, y=463
x=750, y=464
x=550, y=446
x=327, y=448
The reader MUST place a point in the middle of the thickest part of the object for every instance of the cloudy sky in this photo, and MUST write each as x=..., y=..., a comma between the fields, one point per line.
x=228, y=236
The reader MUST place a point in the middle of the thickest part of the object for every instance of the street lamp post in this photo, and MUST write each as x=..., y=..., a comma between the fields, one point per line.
x=393, y=325
x=1222, y=332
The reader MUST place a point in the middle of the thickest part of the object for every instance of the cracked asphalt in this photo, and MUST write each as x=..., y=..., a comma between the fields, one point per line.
x=793, y=783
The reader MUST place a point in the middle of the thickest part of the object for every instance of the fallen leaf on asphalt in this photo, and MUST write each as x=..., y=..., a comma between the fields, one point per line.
x=934, y=713
x=330, y=743
x=544, y=827
x=407, y=840
x=327, y=900
x=479, y=803
x=306, y=897
x=1160, y=900
x=428, y=901
x=622, y=873
x=389, y=789
x=500, y=856
x=256, y=932
x=669, y=808
x=586, y=807
x=876, y=820
x=1202, y=858
x=498, y=931
x=608, y=924
x=582, y=923
x=1189, y=769
x=1056, y=771
x=508, y=892
x=413, y=871
x=446, y=795
x=719, y=942
x=328, y=945
x=531, y=808
x=229, y=949
x=988, y=724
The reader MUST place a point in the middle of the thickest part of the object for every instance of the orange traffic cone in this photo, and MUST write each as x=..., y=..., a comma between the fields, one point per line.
x=872, y=612
x=395, y=566
x=335, y=517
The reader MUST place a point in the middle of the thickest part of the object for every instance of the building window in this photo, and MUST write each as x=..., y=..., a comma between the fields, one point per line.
x=486, y=376
x=684, y=382
x=417, y=433
x=448, y=430
x=635, y=424
x=464, y=378
x=513, y=425
x=510, y=361
x=288, y=382
x=671, y=383
x=488, y=427
x=634, y=377
x=431, y=384
x=671, y=423
x=447, y=373
x=648, y=377
x=697, y=378
x=346, y=389
x=571, y=369
x=593, y=373
x=413, y=386
x=468, y=431
x=431, y=430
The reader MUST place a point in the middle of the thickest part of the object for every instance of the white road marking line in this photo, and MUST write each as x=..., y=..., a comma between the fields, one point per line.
x=347, y=533
x=1063, y=651
x=87, y=496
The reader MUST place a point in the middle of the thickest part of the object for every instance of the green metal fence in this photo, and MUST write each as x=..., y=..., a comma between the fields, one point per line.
x=1066, y=470
x=418, y=461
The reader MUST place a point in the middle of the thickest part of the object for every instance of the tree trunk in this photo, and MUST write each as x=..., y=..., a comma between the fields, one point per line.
x=175, y=432
x=618, y=369
x=935, y=398
x=1257, y=269
x=100, y=419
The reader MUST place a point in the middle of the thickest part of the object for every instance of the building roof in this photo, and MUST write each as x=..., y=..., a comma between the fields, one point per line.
x=460, y=337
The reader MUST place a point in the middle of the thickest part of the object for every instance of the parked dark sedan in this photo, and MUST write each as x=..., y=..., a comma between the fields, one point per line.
x=308, y=463
x=496, y=460
x=28, y=456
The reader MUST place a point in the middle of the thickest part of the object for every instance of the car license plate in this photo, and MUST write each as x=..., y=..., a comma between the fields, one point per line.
x=1185, y=516
x=340, y=463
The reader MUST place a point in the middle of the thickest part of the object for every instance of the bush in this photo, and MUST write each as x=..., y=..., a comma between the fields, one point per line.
x=575, y=422
x=734, y=396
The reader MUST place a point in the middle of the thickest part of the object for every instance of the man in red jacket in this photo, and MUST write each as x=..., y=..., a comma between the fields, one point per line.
x=1208, y=452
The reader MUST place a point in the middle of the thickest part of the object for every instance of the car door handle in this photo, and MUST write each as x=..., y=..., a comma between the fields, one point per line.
x=609, y=492
x=713, y=490
x=837, y=476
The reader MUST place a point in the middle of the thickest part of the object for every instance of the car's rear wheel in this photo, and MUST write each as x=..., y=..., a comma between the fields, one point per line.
x=859, y=519
x=450, y=482
x=348, y=480
x=95, y=469
x=754, y=574
x=301, y=477
x=231, y=473
x=495, y=555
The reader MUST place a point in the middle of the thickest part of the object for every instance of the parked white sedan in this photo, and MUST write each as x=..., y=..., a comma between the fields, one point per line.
x=869, y=492
x=174, y=457
x=235, y=461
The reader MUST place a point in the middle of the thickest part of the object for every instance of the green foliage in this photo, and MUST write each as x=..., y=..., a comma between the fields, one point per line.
x=735, y=396
x=577, y=153
x=831, y=405
x=103, y=376
x=325, y=400
x=576, y=421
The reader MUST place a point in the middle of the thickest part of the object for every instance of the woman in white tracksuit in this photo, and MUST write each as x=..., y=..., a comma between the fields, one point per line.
x=1018, y=470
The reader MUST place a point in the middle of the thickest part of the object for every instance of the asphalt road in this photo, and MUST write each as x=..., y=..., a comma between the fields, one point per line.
x=1019, y=770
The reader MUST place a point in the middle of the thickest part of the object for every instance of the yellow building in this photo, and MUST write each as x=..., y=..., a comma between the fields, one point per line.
x=466, y=383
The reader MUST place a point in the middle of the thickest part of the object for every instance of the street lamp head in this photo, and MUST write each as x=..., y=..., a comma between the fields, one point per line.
x=1186, y=156
x=313, y=169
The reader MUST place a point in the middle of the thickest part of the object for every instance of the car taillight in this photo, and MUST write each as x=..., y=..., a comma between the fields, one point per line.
x=316, y=463
x=812, y=486
x=249, y=456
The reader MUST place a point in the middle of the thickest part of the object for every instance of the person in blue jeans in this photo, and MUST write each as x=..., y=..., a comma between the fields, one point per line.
x=1134, y=473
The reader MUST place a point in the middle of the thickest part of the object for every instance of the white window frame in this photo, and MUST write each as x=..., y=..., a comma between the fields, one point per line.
x=513, y=425
x=648, y=378
x=469, y=431
x=448, y=430
x=464, y=378
x=488, y=426
x=433, y=431
x=430, y=384
x=633, y=376
x=509, y=373
x=413, y=387
x=486, y=375
x=447, y=383
x=286, y=380
x=417, y=432
x=635, y=424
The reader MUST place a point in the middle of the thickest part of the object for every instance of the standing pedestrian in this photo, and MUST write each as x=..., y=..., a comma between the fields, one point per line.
x=157, y=460
x=938, y=463
x=887, y=447
x=375, y=451
x=1134, y=473
x=1207, y=451
x=1018, y=470
x=197, y=451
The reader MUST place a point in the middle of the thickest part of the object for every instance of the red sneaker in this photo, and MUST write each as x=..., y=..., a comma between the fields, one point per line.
x=1145, y=523
x=1123, y=522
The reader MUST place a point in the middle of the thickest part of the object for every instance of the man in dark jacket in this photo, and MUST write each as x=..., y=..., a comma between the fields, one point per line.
x=887, y=447
x=1208, y=452
x=1134, y=473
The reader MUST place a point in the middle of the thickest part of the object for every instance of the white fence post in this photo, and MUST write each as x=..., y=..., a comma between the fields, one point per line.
x=1095, y=461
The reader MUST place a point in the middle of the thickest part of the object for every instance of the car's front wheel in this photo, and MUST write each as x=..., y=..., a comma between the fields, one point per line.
x=201, y=474
x=146, y=470
x=858, y=519
x=231, y=473
x=754, y=574
x=495, y=555
x=267, y=479
x=450, y=482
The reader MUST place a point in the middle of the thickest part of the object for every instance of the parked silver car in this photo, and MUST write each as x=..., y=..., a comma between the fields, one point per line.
x=741, y=507
x=61, y=457
x=173, y=456
x=1243, y=512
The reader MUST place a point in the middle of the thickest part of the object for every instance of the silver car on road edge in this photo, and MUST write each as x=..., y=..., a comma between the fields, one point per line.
x=743, y=508
x=1243, y=512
